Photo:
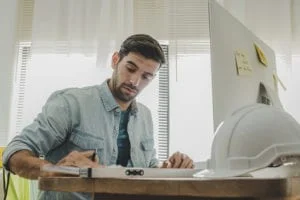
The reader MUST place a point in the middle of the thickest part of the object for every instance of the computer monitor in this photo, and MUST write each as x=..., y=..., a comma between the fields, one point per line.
x=243, y=66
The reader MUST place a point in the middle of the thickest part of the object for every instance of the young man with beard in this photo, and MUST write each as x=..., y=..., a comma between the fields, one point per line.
x=105, y=117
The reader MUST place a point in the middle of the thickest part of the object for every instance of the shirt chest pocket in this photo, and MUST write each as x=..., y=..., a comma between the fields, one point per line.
x=81, y=141
x=147, y=149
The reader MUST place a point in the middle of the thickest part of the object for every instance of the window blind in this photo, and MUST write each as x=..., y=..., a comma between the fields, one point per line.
x=25, y=20
x=23, y=60
x=163, y=108
x=23, y=55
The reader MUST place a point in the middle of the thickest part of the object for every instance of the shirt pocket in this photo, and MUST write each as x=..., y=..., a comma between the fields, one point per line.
x=147, y=146
x=82, y=141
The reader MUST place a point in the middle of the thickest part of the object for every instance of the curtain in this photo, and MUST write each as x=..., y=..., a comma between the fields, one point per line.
x=277, y=23
x=88, y=27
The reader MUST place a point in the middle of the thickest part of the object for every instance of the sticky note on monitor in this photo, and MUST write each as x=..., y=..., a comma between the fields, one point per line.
x=278, y=80
x=242, y=63
x=261, y=55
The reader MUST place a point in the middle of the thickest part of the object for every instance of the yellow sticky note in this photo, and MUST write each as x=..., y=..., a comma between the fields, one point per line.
x=1, y=152
x=242, y=63
x=261, y=55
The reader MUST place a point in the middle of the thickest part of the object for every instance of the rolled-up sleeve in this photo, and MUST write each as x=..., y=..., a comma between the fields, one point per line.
x=47, y=131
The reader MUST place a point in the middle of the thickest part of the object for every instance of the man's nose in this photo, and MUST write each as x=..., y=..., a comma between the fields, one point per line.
x=135, y=79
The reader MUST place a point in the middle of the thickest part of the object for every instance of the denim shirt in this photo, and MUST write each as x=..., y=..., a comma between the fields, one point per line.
x=83, y=119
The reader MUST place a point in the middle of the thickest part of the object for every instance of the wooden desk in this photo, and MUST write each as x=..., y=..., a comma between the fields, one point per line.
x=175, y=189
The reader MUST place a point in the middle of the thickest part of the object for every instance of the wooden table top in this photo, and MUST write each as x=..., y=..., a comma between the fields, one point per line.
x=233, y=187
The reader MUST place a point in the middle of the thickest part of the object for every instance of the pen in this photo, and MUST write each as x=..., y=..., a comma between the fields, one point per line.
x=94, y=155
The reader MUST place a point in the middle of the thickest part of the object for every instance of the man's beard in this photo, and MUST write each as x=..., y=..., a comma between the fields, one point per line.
x=117, y=90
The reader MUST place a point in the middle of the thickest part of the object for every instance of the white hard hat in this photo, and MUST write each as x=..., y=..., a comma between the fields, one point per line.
x=252, y=138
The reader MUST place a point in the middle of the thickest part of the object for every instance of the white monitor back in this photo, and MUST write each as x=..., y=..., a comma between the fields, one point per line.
x=231, y=91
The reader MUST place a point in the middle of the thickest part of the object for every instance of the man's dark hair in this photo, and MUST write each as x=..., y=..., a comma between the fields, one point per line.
x=144, y=45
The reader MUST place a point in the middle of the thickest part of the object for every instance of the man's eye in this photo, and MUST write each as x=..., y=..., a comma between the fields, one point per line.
x=130, y=69
x=147, y=77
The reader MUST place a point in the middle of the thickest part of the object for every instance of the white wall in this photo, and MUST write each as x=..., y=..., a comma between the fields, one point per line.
x=8, y=21
x=191, y=110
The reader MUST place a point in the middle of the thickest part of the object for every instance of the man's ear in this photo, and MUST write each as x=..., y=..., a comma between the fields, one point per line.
x=115, y=59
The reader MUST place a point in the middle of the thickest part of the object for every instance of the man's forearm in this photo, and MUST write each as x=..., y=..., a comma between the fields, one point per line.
x=25, y=164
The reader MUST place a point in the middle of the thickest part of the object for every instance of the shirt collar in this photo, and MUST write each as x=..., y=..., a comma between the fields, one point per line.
x=109, y=101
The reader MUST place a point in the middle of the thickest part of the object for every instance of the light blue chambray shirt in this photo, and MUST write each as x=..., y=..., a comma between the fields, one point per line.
x=84, y=119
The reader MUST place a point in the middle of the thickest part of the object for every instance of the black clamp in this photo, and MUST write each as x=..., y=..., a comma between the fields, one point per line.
x=134, y=172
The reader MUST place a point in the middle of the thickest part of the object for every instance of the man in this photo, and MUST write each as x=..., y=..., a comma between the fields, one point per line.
x=76, y=122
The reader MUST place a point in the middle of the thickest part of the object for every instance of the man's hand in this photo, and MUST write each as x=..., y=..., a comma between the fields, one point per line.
x=80, y=159
x=178, y=160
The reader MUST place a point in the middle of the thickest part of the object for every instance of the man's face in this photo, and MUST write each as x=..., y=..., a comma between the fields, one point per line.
x=131, y=75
